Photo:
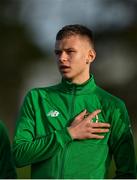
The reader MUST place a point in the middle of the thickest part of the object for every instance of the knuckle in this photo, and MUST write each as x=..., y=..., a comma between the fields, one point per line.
x=89, y=130
x=100, y=130
x=77, y=118
x=87, y=124
x=88, y=136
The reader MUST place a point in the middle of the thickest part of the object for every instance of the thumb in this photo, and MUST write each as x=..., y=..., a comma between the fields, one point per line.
x=80, y=117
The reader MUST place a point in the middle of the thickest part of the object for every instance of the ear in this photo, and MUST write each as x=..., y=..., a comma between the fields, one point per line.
x=91, y=55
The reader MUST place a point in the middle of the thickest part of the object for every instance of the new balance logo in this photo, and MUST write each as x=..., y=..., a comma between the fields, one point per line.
x=53, y=113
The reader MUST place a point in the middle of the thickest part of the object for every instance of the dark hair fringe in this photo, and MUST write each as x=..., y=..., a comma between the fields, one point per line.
x=75, y=29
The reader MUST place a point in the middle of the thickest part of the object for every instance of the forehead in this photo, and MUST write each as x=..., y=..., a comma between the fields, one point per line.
x=73, y=41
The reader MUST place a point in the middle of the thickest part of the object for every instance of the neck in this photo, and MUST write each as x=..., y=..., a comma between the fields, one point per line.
x=80, y=80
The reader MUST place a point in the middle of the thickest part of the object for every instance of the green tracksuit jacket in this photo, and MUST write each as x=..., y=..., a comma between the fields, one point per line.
x=7, y=168
x=42, y=140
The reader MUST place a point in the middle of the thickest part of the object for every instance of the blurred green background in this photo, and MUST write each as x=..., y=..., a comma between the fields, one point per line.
x=27, y=34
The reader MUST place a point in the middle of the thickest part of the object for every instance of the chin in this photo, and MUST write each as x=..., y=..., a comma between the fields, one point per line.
x=67, y=76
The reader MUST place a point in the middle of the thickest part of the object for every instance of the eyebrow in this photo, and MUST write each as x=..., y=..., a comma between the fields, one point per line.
x=66, y=49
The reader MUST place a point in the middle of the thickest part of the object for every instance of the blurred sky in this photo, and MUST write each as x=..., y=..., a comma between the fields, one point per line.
x=44, y=18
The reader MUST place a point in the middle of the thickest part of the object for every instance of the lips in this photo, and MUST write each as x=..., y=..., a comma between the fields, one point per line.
x=64, y=67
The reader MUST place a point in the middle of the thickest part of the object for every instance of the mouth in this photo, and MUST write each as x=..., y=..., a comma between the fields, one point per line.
x=64, y=68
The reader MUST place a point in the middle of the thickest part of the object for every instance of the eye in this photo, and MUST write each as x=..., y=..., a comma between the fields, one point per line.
x=57, y=52
x=70, y=51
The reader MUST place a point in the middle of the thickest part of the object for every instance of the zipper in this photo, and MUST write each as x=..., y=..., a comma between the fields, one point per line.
x=73, y=100
x=67, y=145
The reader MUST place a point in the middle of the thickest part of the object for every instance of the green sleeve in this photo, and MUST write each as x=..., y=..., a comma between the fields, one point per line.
x=7, y=168
x=122, y=145
x=30, y=148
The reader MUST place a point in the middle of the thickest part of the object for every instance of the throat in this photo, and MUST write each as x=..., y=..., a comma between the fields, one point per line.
x=80, y=80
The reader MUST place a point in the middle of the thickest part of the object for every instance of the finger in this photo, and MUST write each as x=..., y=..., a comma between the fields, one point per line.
x=98, y=125
x=93, y=114
x=97, y=130
x=95, y=136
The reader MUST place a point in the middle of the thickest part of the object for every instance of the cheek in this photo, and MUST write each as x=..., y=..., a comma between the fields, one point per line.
x=79, y=59
x=79, y=65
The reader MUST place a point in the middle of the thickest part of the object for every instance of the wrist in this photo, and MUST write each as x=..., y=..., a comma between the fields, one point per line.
x=71, y=132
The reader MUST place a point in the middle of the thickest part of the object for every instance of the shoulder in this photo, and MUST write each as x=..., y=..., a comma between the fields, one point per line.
x=109, y=99
x=115, y=109
x=43, y=89
x=40, y=92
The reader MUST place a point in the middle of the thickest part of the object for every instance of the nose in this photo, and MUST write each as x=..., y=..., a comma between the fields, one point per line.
x=63, y=57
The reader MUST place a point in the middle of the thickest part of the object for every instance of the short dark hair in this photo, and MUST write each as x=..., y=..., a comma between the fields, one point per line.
x=75, y=29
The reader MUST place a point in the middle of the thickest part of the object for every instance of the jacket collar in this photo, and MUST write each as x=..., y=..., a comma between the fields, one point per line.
x=84, y=88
